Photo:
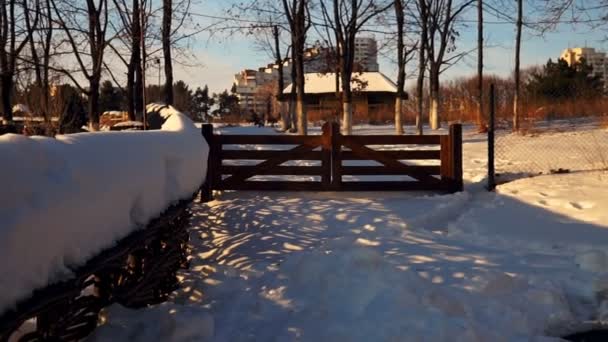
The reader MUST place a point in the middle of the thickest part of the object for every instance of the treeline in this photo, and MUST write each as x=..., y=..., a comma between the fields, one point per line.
x=43, y=43
x=555, y=90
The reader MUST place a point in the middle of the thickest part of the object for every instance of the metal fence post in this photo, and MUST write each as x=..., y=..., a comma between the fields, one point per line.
x=207, y=188
x=491, y=140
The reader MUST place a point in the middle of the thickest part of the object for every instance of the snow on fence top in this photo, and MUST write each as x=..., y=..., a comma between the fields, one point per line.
x=64, y=200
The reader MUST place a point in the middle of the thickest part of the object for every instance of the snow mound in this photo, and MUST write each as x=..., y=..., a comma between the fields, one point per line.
x=65, y=199
x=359, y=296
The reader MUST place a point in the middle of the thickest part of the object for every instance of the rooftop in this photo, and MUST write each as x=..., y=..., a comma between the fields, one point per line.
x=317, y=83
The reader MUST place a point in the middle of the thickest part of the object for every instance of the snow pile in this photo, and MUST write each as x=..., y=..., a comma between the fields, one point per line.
x=63, y=200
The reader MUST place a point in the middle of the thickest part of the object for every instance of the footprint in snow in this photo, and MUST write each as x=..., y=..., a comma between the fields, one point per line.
x=582, y=205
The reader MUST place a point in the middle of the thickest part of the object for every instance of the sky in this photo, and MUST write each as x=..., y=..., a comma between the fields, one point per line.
x=218, y=57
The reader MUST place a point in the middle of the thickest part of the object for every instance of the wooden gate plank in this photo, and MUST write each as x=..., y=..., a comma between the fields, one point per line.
x=275, y=186
x=267, y=164
x=398, y=155
x=420, y=170
x=371, y=154
x=277, y=170
x=392, y=186
x=268, y=154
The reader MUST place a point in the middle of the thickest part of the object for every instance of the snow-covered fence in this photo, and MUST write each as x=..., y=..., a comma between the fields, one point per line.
x=139, y=270
x=64, y=200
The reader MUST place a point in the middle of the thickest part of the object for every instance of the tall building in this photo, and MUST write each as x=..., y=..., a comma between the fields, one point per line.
x=596, y=59
x=366, y=54
x=248, y=84
x=317, y=59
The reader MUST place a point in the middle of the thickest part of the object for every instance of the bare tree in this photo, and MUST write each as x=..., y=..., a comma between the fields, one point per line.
x=40, y=53
x=349, y=17
x=480, y=62
x=517, y=72
x=87, y=43
x=422, y=61
x=441, y=36
x=285, y=123
x=296, y=13
x=166, y=42
x=403, y=52
x=130, y=33
x=13, y=39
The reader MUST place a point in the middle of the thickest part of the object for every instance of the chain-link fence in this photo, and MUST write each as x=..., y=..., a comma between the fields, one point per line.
x=560, y=130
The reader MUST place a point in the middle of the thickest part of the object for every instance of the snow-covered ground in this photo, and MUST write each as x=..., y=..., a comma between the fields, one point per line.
x=526, y=263
x=574, y=145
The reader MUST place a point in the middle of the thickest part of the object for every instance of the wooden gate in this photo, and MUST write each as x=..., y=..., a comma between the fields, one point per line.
x=336, y=161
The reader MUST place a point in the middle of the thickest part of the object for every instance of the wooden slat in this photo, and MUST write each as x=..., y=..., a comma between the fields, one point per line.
x=269, y=139
x=268, y=154
x=371, y=154
x=393, y=186
x=418, y=170
x=266, y=165
x=398, y=155
x=392, y=139
x=277, y=170
x=273, y=186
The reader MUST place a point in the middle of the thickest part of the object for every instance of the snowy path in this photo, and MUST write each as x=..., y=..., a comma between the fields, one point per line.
x=517, y=265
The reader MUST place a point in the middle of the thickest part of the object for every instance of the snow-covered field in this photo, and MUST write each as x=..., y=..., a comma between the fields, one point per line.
x=526, y=263
x=574, y=145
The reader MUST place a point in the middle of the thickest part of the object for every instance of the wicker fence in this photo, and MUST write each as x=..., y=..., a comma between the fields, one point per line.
x=139, y=271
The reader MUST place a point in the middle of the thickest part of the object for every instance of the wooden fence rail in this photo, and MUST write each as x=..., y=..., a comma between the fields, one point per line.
x=330, y=159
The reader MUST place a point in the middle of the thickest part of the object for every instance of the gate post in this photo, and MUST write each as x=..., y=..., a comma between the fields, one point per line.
x=326, y=149
x=207, y=188
x=336, y=157
x=456, y=152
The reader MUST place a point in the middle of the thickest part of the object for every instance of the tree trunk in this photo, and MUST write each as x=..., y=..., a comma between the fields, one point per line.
x=347, y=118
x=166, y=37
x=302, y=120
x=134, y=67
x=401, y=68
x=434, y=110
x=46, y=61
x=421, y=68
x=292, y=98
x=517, y=73
x=94, y=105
x=398, y=116
x=301, y=115
x=129, y=91
x=7, y=86
x=480, y=63
x=280, y=81
x=138, y=91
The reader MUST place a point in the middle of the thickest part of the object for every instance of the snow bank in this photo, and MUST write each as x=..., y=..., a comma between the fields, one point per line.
x=63, y=200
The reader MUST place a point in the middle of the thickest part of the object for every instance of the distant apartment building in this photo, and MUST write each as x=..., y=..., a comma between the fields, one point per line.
x=248, y=84
x=316, y=60
x=366, y=54
x=596, y=59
